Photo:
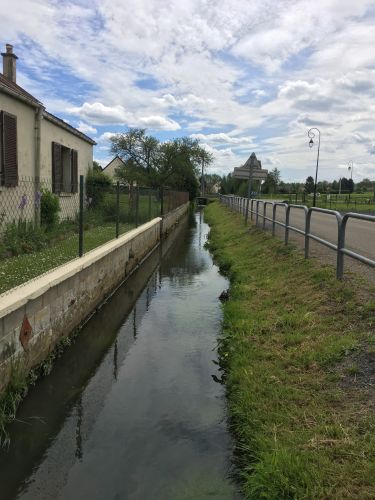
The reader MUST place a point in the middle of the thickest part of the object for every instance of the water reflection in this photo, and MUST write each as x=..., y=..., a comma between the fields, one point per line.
x=131, y=410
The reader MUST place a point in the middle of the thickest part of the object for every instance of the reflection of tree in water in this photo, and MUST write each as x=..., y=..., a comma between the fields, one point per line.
x=187, y=260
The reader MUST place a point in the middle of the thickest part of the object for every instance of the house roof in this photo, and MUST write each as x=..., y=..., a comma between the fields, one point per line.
x=16, y=89
x=61, y=123
x=113, y=159
x=20, y=93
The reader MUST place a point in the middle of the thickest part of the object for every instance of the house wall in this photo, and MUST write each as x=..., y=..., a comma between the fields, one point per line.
x=10, y=198
x=25, y=133
x=53, y=133
x=69, y=203
x=111, y=167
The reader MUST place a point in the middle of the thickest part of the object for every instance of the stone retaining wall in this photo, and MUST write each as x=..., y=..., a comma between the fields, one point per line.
x=35, y=316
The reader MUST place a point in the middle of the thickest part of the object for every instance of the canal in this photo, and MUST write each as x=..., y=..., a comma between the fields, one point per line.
x=133, y=409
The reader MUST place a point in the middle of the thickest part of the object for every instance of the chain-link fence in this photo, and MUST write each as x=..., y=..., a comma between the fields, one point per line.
x=40, y=230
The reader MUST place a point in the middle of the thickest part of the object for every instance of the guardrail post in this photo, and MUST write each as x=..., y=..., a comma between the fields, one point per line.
x=251, y=210
x=274, y=207
x=257, y=213
x=307, y=233
x=287, y=217
x=264, y=214
x=340, y=246
x=80, y=236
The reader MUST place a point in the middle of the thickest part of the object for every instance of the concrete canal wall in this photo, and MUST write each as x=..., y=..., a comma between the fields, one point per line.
x=35, y=316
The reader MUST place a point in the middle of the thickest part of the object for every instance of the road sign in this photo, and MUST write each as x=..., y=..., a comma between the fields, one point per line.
x=243, y=173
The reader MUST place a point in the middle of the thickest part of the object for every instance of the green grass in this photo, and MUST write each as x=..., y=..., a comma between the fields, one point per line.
x=17, y=270
x=304, y=429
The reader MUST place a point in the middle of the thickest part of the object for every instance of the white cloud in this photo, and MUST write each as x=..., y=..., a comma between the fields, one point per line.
x=158, y=123
x=267, y=70
x=107, y=136
x=86, y=129
x=98, y=113
x=222, y=138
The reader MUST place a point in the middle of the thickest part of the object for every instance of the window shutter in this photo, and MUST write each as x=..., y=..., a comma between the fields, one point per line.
x=74, y=171
x=56, y=168
x=9, y=149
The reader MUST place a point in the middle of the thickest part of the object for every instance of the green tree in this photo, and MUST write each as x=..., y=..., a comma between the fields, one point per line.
x=96, y=167
x=309, y=185
x=173, y=164
x=211, y=181
x=272, y=181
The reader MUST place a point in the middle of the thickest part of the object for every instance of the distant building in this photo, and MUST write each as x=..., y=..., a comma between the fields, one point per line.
x=115, y=163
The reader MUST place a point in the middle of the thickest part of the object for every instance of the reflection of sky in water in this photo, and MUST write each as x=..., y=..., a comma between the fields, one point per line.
x=148, y=421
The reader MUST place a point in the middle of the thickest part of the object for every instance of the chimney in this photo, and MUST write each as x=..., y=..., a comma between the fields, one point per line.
x=9, y=63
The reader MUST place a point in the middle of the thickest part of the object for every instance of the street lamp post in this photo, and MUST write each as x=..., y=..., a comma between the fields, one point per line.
x=311, y=134
x=350, y=168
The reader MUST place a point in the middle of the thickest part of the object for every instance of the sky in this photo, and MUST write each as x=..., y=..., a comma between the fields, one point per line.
x=240, y=76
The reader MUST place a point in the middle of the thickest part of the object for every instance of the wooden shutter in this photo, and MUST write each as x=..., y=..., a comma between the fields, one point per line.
x=56, y=168
x=9, y=149
x=74, y=176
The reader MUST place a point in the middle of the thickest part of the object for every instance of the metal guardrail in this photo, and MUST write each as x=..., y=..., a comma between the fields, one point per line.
x=238, y=204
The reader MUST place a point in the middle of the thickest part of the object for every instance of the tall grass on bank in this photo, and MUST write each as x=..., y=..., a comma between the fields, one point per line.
x=302, y=417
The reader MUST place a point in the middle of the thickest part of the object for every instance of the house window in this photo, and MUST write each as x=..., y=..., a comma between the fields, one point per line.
x=64, y=169
x=8, y=150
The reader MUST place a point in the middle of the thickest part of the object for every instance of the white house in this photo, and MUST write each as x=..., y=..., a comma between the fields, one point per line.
x=115, y=163
x=36, y=147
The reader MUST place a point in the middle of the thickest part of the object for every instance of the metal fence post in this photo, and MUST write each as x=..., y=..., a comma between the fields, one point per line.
x=287, y=217
x=340, y=246
x=274, y=207
x=264, y=214
x=257, y=213
x=117, y=209
x=80, y=235
x=307, y=232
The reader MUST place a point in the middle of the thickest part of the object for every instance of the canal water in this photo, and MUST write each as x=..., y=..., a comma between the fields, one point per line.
x=133, y=409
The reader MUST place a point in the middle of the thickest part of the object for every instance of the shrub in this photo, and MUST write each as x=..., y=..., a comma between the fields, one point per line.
x=49, y=209
x=97, y=184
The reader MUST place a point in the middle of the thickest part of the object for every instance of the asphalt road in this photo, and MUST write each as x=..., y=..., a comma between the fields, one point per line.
x=360, y=235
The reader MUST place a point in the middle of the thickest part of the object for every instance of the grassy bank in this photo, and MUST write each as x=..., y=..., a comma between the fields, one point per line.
x=297, y=349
